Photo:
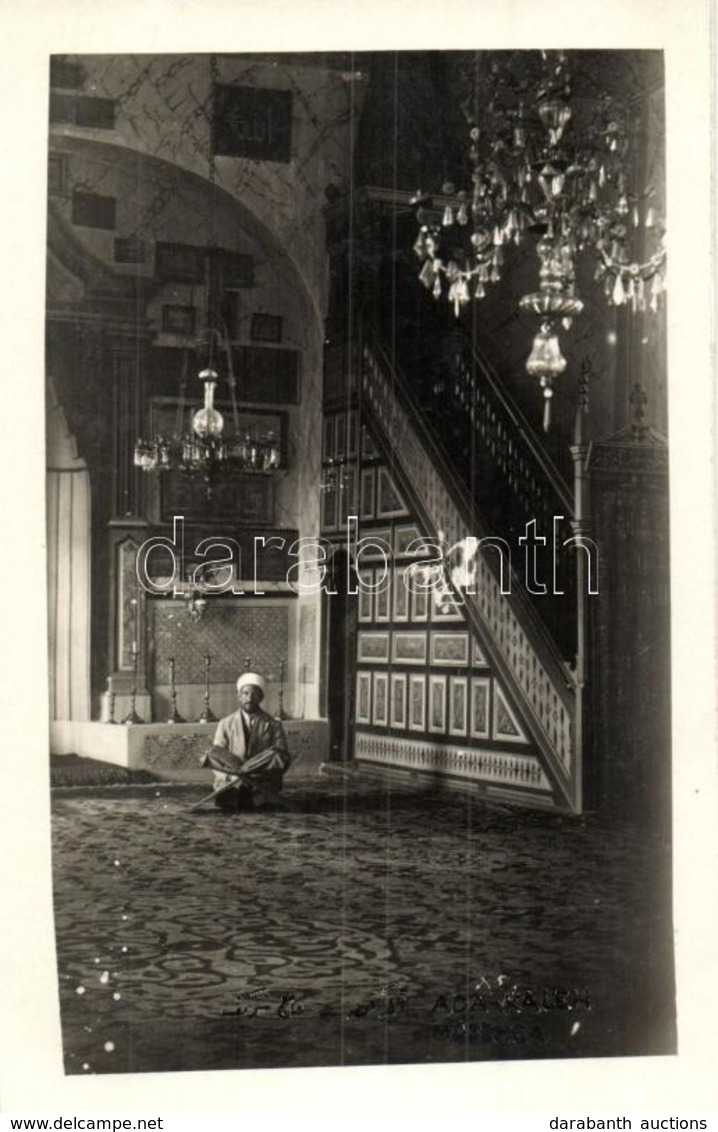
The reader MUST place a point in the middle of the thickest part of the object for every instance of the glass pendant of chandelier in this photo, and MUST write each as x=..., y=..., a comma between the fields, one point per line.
x=536, y=170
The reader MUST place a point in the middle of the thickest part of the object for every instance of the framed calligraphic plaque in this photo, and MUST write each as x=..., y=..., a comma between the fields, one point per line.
x=248, y=121
x=243, y=497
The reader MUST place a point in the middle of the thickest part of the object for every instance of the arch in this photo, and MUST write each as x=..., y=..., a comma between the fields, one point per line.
x=182, y=180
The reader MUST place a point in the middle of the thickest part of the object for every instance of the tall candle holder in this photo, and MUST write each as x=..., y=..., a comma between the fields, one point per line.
x=132, y=716
x=110, y=702
x=280, y=698
x=174, y=716
x=207, y=715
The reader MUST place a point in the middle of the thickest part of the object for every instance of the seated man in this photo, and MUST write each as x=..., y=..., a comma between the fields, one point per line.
x=249, y=755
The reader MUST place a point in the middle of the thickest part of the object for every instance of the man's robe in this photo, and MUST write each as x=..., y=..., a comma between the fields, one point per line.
x=252, y=746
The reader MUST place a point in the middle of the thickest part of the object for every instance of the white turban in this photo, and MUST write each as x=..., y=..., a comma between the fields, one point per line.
x=252, y=678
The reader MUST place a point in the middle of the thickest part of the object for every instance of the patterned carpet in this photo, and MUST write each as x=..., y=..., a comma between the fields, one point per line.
x=367, y=924
x=71, y=770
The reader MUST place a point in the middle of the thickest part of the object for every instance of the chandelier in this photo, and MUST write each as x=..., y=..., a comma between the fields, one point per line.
x=202, y=450
x=539, y=168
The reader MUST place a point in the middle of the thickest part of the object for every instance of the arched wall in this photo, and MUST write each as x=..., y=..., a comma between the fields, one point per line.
x=160, y=184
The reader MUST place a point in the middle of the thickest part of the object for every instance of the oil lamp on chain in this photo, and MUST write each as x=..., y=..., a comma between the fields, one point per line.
x=204, y=451
x=536, y=170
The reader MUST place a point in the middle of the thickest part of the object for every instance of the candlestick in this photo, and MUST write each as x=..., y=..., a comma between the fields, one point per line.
x=133, y=717
x=134, y=618
x=174, y=716
x=207, y=715
x=247, y=663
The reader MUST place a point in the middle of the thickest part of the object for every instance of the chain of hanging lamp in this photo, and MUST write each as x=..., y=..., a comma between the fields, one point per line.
x=537, y=170
x=203, y=450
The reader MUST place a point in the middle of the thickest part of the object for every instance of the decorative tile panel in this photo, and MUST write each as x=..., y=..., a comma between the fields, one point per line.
x=478, y=658
x=474, y=764
x=373, y=648
x=306, y=740
x=479, y=707
x=363, y=697
x=389, y=501
x=506, y=725
x=229, y=633
x=175, y=752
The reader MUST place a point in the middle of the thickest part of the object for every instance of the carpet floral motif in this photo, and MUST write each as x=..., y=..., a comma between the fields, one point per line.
x=343, y=930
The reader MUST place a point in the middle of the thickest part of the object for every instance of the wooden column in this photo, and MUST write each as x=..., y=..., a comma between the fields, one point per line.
x=631, y=717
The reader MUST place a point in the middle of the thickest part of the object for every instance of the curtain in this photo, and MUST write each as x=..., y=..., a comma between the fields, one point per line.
x=68, y=575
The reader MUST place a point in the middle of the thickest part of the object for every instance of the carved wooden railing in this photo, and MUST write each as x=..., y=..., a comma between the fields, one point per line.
x=529, y=489
x=519, y=642
x=490, y=448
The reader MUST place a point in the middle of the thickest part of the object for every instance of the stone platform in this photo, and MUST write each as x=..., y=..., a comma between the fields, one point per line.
x=171, y=751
